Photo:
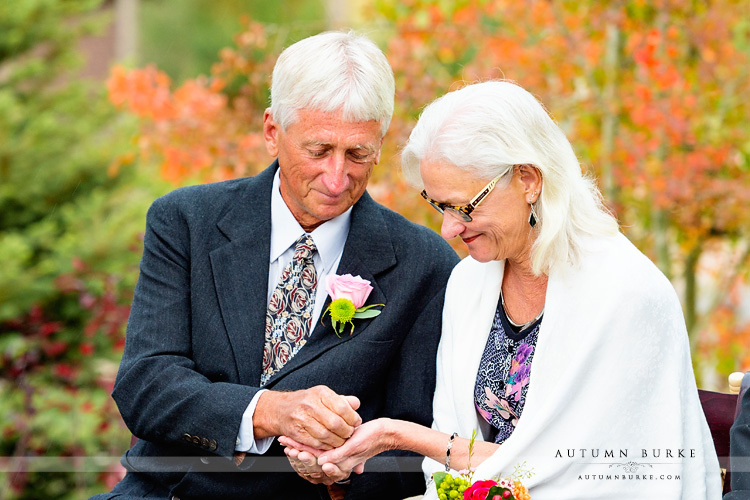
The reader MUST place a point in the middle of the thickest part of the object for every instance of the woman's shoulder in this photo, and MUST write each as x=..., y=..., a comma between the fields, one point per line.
x=616, y=265
x=471, y=277
x=470, y=268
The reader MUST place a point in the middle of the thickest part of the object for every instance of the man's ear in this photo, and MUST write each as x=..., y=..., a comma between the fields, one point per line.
x=532, y=181
x=271, y=131
x=380, y=148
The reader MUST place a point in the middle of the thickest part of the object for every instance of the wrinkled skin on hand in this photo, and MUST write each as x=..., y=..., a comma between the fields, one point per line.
x=305, y=463
x=316, y=417
x=336, y=465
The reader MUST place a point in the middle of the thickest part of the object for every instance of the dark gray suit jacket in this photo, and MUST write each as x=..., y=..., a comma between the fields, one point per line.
x=195, y=338
x=739, y=451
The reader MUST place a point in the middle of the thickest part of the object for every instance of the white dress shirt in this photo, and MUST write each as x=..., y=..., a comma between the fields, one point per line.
x=329, y=239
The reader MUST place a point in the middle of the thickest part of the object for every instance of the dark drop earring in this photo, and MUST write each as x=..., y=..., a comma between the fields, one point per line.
x=533, y=217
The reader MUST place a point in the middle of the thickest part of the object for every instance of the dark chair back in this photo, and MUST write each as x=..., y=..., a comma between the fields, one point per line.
x=721, y=410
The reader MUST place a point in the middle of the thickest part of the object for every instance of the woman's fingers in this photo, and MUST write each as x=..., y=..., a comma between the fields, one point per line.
x=291, y=443
x=334, y=472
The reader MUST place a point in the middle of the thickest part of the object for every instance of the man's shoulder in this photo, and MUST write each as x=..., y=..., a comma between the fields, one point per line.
x=214, y=199
x=402, y=228
x=210, y=193
x=415, y=240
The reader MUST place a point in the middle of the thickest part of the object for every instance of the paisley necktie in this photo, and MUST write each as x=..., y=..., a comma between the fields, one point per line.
x=289, y=314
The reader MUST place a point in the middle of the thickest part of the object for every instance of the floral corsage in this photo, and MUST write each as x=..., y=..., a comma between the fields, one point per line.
x=348, y=296
x=498, y=488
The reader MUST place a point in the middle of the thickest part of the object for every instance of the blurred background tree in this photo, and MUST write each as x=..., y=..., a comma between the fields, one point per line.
x=652, y=94
x=183, y=39
x=72, y=206
x=653, y=97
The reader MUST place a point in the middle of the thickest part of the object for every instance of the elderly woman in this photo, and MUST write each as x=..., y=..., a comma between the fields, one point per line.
x=562, y=344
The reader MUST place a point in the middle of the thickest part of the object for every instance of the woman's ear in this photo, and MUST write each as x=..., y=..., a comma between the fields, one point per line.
x=531, y=178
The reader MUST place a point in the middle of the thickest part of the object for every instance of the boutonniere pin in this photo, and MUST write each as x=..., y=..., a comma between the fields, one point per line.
x=348, y=296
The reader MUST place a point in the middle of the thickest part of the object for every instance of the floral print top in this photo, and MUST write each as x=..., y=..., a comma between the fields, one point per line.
x=503, y=377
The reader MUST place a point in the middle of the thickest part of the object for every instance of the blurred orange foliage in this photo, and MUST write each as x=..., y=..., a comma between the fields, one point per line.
x=652, y=94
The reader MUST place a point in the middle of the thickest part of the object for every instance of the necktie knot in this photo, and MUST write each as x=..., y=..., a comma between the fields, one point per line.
x=304, y=248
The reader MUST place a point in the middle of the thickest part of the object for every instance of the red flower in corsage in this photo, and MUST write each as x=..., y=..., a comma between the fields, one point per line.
x=479, y=490
x=348, y=296
x=450, y=488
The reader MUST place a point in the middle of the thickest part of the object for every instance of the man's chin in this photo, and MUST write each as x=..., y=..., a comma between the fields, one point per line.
x=314, y=219
x=330, y=207
x=331, y=212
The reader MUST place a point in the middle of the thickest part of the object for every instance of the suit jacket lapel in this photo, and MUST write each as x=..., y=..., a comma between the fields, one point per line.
x=367, y=253
x=240, y=269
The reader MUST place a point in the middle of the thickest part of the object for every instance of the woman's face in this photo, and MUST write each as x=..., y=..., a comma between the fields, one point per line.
x=499, y=228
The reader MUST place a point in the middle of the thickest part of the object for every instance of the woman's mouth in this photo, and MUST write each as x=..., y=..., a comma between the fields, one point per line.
x=470, y=239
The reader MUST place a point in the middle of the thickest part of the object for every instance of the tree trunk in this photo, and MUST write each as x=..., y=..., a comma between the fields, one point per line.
x=609, y=120
x=691, y=289
x=660, y=227
x=126, y=30
x=337, y=13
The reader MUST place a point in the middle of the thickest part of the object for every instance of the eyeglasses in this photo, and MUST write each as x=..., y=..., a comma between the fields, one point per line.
x=463, y=212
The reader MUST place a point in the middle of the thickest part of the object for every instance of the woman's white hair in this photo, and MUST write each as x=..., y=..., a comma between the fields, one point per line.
x=333, y=71
x=488, y=128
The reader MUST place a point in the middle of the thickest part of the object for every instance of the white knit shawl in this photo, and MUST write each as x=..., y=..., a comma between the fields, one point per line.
x=611, y=373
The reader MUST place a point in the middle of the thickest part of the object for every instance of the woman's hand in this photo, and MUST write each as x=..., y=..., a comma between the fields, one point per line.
x=368, y=440
x=305, y=463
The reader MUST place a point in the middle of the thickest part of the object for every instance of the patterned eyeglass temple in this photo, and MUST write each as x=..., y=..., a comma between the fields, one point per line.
x=463, y=212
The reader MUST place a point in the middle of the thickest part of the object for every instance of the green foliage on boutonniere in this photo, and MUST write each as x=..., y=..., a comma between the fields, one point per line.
x=343, y=312
x=348, y=295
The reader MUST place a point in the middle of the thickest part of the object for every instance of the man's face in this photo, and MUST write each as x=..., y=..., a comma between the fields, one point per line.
x=324, y=163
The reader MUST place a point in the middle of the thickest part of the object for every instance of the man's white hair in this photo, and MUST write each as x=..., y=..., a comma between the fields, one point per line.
x=488, y=128
x=333, y=71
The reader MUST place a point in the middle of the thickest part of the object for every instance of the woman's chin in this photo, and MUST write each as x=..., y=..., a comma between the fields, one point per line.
x=480, y=256
x=484, y=253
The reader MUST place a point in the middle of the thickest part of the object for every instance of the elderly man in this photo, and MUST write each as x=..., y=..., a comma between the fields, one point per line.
x=227, y=346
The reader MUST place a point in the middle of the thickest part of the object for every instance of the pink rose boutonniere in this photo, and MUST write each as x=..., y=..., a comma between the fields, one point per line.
x=348, y=296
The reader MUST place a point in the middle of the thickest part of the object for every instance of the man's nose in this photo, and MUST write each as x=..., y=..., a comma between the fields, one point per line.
x=451, y=226
x=335, y=178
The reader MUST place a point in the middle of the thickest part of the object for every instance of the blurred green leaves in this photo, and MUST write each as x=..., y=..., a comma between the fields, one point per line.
x=183, y=38
x=72, y=208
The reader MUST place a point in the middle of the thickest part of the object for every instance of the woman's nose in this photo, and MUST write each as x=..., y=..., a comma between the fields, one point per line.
x=451, y=226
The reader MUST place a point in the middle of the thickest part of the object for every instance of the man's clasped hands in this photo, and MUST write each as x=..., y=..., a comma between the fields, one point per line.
x=324, y=437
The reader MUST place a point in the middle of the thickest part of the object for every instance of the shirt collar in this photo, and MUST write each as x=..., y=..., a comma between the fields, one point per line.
x=329, y=237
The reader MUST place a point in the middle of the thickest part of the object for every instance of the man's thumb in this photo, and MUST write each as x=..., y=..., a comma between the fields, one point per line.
x=353, y=402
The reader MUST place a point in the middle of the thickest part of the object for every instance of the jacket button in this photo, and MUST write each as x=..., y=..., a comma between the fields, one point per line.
x=187, y=437
x=204, y=443
x=212, y=445
x=196, y=440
